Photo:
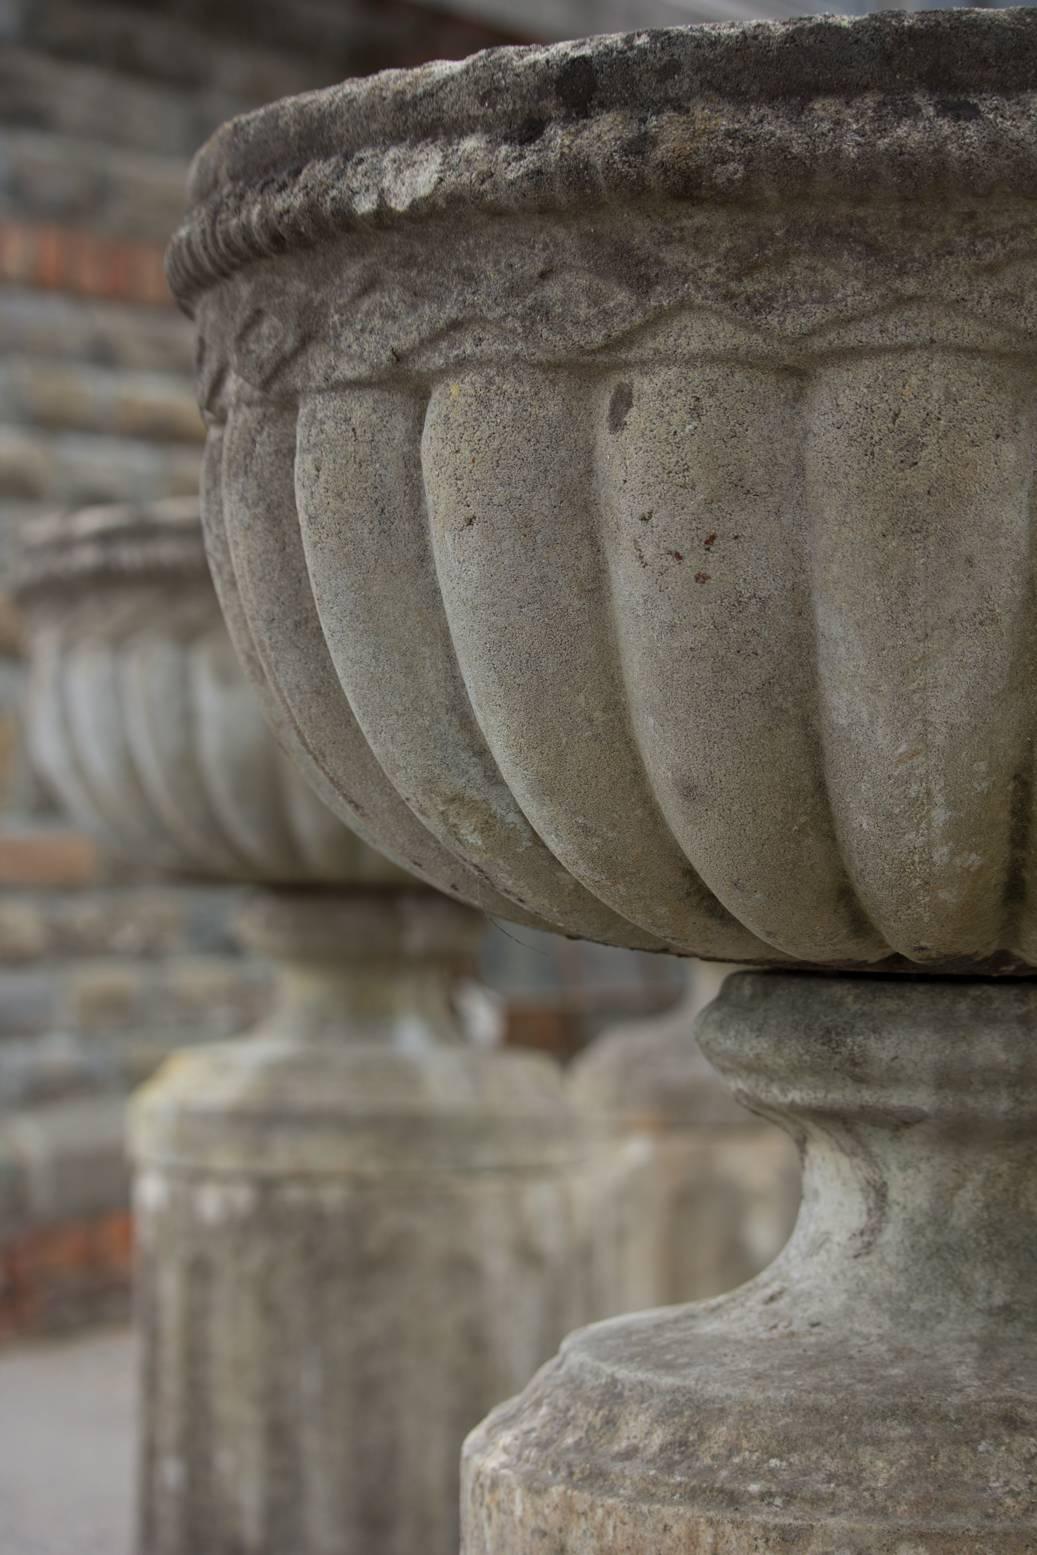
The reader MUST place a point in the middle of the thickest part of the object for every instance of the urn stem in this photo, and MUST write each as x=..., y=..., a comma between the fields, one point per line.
x=914, y=1103
x=363, y=966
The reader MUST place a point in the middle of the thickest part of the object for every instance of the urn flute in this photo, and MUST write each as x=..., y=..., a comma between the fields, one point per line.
x=620, y=458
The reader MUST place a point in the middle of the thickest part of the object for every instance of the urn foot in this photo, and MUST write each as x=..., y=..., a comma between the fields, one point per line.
x=874, y=1392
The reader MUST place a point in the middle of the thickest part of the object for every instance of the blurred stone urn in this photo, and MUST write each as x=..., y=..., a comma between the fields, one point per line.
x=621, y=457
x=686, y=1194
x=353, y=1223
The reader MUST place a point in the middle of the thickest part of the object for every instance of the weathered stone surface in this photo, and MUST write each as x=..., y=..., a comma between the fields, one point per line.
x=875, y=1391
x=726, y=300
x=687, y=1194
x=355, y=1235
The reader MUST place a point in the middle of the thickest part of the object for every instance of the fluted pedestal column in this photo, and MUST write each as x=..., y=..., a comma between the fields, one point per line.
x=686, y=1194
x=874, y=1392
x=354, y=1228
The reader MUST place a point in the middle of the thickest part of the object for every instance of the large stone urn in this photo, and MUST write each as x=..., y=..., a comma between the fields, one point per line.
x=686, y=1194
x=621, y=459
x=354, y=1224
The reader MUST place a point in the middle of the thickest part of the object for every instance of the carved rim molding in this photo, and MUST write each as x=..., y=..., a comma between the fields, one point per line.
x=122, y=540
x=868, y=109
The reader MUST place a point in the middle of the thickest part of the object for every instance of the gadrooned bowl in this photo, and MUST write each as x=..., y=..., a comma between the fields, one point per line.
x=620, y=475
x=141, y=719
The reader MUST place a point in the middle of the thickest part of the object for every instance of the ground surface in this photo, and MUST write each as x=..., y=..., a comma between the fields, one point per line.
x=66, y=1446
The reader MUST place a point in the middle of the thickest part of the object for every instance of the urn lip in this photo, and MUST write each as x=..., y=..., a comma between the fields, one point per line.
x=111, y=541
x=887, y=106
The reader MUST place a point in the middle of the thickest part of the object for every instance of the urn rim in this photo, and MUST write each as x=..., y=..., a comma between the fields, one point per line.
x=893, y=105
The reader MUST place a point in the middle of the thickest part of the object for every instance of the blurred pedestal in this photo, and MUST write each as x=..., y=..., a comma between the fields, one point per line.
x=355, y=1237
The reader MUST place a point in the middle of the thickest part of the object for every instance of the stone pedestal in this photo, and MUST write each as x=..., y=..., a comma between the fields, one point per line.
x=874, y=1392
x=355, y=1232
x=687, y=1194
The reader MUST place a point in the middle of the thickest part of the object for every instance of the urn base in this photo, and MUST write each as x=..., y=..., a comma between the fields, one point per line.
x=874, y=1392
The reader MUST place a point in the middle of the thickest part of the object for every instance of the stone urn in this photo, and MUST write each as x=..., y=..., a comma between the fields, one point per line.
x=686, y=1193
x=353, y=1224
x=621, y=459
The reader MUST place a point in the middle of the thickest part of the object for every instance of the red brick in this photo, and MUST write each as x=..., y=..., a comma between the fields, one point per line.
x=65, y=1274
x=84, y=263
x=60, y=1248
x=113, y=1241
x=50, y=257
x=48, y=858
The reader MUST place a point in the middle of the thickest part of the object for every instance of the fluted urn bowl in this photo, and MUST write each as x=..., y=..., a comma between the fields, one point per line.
x=620, y=475
x=141, y=719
